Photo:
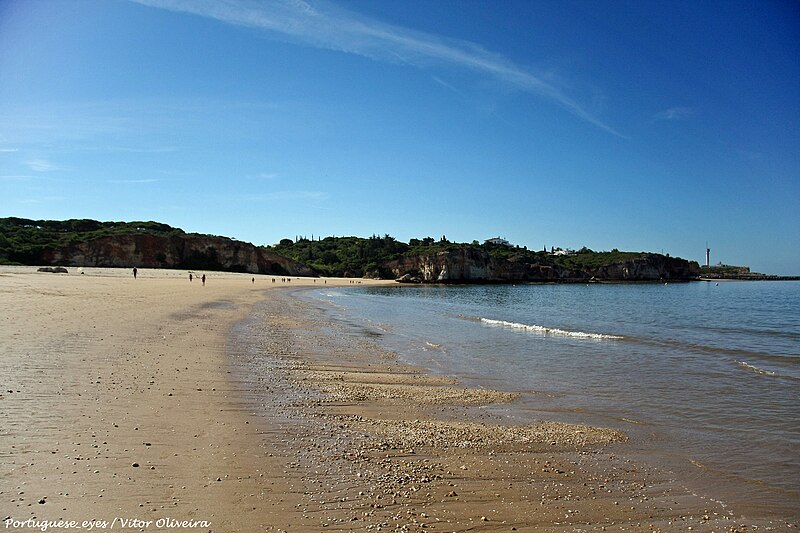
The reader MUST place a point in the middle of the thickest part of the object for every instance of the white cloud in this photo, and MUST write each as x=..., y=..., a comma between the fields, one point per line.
x=264, y=176
x=8, y=150
x=326, y=26
x=151, y=180
x=674, y=113
x=41, y=165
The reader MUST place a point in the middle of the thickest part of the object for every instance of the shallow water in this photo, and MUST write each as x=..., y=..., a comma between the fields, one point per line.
x=705, y=376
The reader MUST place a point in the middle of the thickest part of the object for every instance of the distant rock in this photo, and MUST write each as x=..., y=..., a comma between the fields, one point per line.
x=56, y=270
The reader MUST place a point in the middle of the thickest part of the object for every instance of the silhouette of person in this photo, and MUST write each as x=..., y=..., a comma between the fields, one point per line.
x=134, y=272
x=203, y=279
x=190, y=276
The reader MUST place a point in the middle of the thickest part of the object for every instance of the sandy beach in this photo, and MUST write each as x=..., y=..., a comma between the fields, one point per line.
x=157, y=404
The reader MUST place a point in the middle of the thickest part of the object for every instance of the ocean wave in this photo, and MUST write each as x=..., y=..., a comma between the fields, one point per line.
x=532, y=328
x=331, y=294
x=755, y=369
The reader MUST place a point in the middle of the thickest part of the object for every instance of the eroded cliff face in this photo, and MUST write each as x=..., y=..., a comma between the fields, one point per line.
x=468, y=265
x=463, y=264
x=471, y=265
x=185, y=251
x=650, y=267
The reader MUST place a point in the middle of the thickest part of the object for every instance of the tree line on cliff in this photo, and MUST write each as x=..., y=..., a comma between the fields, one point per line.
x=387, y=258
x=37, y=242
x=22, y=241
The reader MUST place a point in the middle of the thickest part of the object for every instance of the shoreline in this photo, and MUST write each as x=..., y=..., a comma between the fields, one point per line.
x=243, y=408
x=384, y=417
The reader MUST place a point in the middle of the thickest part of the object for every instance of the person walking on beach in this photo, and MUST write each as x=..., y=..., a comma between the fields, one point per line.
x=203, y=279
x=134, y=272
x=190, y=277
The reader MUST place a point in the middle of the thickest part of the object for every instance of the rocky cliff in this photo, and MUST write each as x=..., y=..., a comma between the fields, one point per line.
x=177, y=251
x=467, y=265
x=148, y=244
x=648, y=267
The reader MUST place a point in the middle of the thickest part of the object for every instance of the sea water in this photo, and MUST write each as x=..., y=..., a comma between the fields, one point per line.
x=704, y=376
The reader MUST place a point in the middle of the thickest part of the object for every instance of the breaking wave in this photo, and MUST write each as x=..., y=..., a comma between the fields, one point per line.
x=755, y=369
x=541, y=330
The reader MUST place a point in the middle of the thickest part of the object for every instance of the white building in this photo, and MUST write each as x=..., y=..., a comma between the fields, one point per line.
x=497, y=240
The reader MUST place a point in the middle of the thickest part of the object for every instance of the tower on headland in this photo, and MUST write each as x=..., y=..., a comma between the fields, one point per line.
x=708, y=256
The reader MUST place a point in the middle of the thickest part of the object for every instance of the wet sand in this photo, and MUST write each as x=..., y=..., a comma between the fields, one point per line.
x=237, y=407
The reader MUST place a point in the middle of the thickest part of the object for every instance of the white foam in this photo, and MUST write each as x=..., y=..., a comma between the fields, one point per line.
x=541, y=330
x=755, y=369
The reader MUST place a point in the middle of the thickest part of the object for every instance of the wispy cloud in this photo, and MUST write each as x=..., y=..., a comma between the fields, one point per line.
x=177, y=173
x=150, y=180
x=136, y=150
x=8, y=150
x=674, y=113
x=28, y=177
x=18, y=177
x=42, y=165
x=43, y=199
x=449, y=87
x=750, y=155
x=311, y=196
x=324, y=25
x=264, y=176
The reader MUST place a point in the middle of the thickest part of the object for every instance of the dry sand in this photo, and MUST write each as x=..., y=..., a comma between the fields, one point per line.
x=234, y=407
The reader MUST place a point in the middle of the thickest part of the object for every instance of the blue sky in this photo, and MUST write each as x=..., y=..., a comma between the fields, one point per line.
x=637, y=125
